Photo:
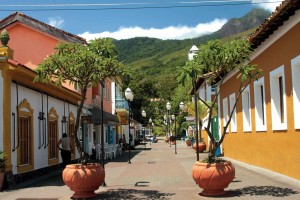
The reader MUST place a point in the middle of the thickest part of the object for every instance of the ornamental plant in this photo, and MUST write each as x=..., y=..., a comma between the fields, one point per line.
x=213, y=62
x=83, y=66
x=2, y=161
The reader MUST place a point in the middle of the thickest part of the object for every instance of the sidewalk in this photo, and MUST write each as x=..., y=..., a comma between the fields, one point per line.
x=159, y=173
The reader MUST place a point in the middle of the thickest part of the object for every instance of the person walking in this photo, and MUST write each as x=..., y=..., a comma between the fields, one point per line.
x=65, y=149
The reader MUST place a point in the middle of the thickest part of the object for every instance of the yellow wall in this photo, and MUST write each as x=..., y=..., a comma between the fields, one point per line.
x=205, y=137
x=25, y=76
x=278, y=151
x=4, y=67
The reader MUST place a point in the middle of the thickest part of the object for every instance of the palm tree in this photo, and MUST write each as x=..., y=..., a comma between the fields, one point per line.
x=201, y=110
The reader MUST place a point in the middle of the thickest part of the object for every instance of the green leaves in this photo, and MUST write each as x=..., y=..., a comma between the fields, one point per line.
x=81, y=65
x=218, y=59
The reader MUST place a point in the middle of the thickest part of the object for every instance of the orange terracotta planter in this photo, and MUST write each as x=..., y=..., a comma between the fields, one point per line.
x=201, y=147
x=213, y=178
x=2, y=174
x=84, y=179
x=188, y=142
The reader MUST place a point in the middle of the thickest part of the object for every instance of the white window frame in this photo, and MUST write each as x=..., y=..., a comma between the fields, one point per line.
x=208, y=92
x=259, y=100
x=277, y=124
x=246, y=109
x=295, y=65
x=225, y=112
x=233, y=121
x=202, y=93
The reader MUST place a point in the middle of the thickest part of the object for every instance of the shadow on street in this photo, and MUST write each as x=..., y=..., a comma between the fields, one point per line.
x=119, y=194
x=261, y=191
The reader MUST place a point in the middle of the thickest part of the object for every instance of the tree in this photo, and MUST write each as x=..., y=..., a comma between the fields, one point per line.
x=190, y=72
x=215, y=60
x=82, y=66
x=202, y=111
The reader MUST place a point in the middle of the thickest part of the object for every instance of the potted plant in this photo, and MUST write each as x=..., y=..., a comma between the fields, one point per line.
x=213, y=62
x=172, y=139
x=201, y=146
x=83, y=66
x=4, y=38
x=166, y=139
x=2, y=167
x=189, y=140
x=202, y=113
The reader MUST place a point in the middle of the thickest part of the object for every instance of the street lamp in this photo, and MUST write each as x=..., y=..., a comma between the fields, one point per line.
x=129, y=98
x=174, y=118
x=150, y=122
x=191, y=54
x=165, y=123
x=144, y=115
x=182, y=107
x=168, y=106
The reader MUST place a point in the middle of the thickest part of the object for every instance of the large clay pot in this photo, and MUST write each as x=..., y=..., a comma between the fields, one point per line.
x=213, y=178
x=83, y=179
x=188, y=142
x=201, y=147
x=2, y=174
x=166, y=139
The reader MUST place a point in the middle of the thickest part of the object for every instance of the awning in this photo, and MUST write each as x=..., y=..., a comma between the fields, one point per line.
x=108, y=118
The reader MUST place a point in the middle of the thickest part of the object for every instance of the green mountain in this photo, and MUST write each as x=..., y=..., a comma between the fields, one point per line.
x=146, y=49
x=155, y=63
x=238, y=25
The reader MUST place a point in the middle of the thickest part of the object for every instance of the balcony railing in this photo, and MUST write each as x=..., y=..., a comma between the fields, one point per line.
x=122, y=104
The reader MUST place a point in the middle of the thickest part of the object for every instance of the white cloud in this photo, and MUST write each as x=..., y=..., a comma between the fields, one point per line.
x=56, y=22
x=267, y=4
x=171, y=32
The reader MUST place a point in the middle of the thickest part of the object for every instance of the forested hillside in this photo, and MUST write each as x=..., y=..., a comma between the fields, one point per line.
x=154, y=63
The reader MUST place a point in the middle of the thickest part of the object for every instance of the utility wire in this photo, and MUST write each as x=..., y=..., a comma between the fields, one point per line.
x=126, y=6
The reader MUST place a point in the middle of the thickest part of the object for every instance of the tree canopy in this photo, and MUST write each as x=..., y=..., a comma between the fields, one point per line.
x=215, y=60
x=82, y=66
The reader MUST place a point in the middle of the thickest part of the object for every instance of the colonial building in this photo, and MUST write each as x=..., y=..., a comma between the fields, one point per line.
x=33, y=115
x=265, y=128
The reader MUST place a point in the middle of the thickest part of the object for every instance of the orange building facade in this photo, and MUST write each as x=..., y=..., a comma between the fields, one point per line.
x=33, y=115
x=265, y=129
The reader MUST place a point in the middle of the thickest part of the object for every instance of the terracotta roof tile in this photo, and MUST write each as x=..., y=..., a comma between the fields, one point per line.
x=43, y=27
x=276, y=19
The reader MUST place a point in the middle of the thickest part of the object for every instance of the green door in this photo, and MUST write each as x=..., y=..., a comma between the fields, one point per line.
x=215, y=132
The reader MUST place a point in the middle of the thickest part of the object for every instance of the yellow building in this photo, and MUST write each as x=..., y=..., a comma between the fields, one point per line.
x=265, y=130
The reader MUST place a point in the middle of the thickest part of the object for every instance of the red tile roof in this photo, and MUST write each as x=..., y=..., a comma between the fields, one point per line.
x=43, y=27
x=276, y=19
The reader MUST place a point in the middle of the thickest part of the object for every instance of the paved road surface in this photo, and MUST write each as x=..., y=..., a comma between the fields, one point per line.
x=159, y=173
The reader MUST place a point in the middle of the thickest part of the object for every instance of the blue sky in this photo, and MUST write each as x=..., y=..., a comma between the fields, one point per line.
x=122, y=19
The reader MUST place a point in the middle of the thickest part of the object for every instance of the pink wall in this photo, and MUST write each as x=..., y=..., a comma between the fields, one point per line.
x=24, y=41
x=89, y=97
x=107, y=100
x=96, y=91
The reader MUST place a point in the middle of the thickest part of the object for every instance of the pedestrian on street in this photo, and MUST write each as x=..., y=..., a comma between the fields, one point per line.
x=65, y=149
